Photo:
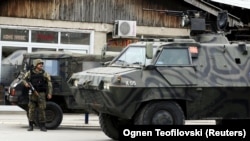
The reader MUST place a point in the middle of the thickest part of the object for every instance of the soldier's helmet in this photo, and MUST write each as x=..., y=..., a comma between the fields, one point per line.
x=37, y=61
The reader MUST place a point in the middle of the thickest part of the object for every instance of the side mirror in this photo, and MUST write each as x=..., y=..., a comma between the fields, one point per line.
x=149, y=51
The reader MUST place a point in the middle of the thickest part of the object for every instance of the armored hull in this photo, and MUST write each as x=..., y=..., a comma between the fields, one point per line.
x=186, y=79
x=200, y=100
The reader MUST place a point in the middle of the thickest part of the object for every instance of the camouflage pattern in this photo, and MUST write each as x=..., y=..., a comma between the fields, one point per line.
x=214, y=85
x=39, y=102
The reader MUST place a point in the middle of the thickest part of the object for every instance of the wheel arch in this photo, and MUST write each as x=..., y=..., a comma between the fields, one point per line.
x=60, y=100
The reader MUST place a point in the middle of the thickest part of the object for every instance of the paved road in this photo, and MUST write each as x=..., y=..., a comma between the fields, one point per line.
x=18, y=132
x=14, y=124
x=16, y=115
x=13, y=127
x=73, y=120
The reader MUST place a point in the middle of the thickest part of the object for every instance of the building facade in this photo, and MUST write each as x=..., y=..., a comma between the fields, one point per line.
x=78, y=25
x=86, y=25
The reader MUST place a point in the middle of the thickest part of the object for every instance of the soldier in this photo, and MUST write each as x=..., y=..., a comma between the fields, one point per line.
x=40, y=81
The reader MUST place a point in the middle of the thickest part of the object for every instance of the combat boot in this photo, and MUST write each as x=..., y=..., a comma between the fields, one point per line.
x=30, y=126
x=42, y=127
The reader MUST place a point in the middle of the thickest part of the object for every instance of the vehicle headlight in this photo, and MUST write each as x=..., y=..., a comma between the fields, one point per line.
x=106, y=85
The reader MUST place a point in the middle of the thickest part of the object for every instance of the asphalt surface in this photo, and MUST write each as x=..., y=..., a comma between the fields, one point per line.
x=16, y=115
x=14, y=124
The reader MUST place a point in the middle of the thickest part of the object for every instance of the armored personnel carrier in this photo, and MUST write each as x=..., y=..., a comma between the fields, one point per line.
x=60, y=65
x=168, y=82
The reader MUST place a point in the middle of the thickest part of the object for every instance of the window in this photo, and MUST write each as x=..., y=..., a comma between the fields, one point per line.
x=133, y=55
x=173, y=56
x=15, y=35
x=34, y=49
x=75, y=38
x=44, y=36
x=51, y=66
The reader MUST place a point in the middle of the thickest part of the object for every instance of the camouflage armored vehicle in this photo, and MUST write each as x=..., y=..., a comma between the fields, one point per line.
x=202, y=77
x=60, y=65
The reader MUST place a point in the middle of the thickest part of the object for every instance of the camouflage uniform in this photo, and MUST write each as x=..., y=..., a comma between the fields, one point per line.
x=38, y=101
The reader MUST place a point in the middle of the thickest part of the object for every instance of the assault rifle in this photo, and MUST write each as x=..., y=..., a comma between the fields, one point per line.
x=33, y=89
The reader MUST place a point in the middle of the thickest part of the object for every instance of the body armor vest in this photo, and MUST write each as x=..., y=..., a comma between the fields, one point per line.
x=38, y=81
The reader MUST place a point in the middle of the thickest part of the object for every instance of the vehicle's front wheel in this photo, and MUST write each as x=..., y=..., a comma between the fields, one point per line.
x=54, y=115
x=109, y=125
x=160, y=113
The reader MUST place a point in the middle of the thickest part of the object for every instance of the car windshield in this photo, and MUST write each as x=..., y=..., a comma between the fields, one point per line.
x=133, y=56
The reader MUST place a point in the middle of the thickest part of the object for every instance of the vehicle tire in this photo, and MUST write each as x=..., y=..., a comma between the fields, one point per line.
x=54, y=115
x=109, y=125
x=160, y=113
